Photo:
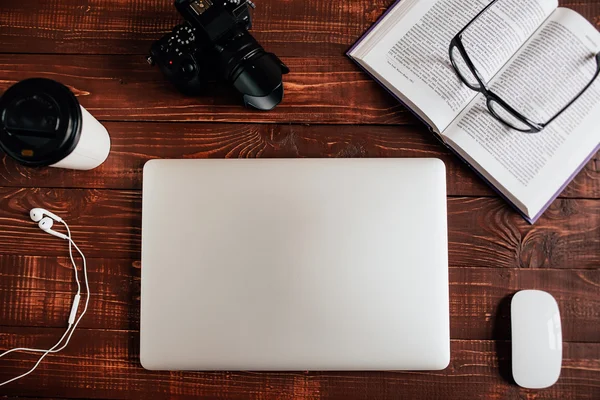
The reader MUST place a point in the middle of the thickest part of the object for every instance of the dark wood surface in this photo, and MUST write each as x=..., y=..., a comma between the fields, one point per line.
x=331, y=109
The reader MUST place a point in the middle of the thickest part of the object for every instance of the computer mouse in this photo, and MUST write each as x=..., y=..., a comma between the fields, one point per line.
x=536, y=339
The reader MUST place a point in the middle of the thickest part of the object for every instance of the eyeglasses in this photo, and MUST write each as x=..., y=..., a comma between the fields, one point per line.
x=466, y=71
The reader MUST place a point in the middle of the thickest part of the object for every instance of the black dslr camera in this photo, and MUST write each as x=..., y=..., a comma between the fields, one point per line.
x=214, y=43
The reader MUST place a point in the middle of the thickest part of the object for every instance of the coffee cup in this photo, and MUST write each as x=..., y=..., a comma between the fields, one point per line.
x=43, y=124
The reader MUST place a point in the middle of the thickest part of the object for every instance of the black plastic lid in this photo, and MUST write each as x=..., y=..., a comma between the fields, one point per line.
x=40, y=122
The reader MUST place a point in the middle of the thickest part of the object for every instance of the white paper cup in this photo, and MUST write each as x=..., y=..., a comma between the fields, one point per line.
x=42, y=124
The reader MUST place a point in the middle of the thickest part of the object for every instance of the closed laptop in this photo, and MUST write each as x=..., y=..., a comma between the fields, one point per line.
x=294, y=264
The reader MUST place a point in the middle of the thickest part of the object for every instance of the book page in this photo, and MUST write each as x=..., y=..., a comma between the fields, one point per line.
x=413, y=56
x=555, y=64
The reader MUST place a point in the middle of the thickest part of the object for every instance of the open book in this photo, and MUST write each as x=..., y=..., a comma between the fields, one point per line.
x=532, y=53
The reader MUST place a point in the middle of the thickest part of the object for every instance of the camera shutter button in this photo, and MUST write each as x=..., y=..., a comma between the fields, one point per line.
x=188, y=68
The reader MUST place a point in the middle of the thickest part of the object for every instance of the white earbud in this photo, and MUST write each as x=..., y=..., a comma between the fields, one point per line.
x=46, y=225
x=37, y=214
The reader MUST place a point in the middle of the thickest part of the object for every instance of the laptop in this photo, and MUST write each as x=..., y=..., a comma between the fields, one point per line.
x=294, y=264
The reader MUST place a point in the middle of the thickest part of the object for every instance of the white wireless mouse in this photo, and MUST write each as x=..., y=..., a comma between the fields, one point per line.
x=536, y=339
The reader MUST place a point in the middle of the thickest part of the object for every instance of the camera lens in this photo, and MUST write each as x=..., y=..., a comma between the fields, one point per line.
x=235, y=50
x=251, y=70
x=259, y=79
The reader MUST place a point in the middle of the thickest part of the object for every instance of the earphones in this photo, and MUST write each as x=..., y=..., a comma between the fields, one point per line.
x=37, y=214
x=46, y=225
x=46, y=221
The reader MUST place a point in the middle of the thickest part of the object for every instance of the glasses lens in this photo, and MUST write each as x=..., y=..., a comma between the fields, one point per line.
x=500, y=112
x=463, y=70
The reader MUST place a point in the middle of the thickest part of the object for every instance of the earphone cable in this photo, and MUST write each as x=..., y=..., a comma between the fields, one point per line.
x=31, y=350
x=72, y=326
x=71, y=256
x=87, y=287
x=46, y=352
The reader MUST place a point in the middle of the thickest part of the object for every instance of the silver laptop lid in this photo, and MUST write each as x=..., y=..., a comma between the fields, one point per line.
x=288, y=264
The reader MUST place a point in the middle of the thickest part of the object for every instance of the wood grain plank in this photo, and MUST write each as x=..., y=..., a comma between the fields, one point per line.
x=108, y=222
x=319, y=90
x=37, y=292
x=19, y=397
x=482, y=231
x=485, y=232
x=105, y=364
x=288, y=28
x=135, y=143
x=32, y=398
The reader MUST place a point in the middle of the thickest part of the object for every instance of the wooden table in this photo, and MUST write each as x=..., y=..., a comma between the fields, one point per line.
x=97, y=48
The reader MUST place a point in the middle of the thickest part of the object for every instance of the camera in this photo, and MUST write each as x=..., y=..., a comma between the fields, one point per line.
x=214, y=44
